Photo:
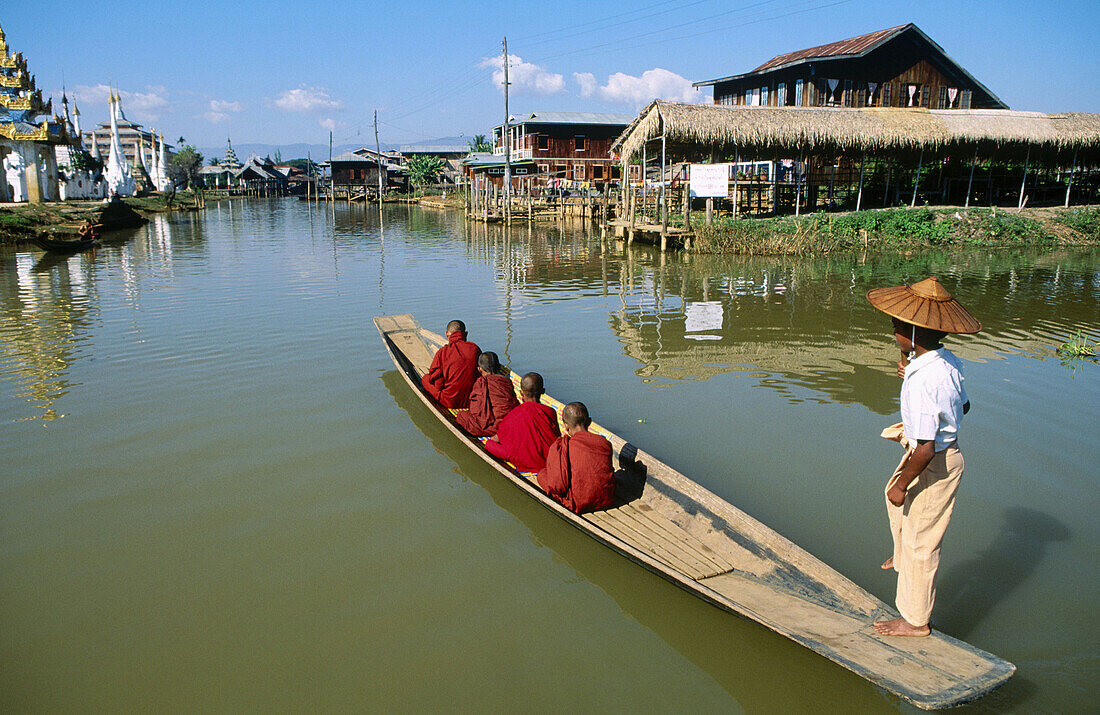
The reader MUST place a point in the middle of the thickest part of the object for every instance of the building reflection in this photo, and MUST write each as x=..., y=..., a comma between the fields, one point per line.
x=50, y=305
x=801, y=326
x=45, y=314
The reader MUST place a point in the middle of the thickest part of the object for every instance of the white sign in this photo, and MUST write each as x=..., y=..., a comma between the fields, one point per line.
x=709, y=180
x=703, y=316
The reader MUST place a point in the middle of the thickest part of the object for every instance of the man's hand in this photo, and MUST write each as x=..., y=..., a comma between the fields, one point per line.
x=901, y=369
x=896, y=495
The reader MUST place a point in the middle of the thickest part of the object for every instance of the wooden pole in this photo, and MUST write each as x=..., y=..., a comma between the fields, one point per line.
x=736, y=162
x=664, y=190
x=889, y=173
x=798, y=184
x=859, y=194
x=1071, y=172
x=507, y=188
x=1027, y=160
x=916, y=179
x=970, y=183
x=378, y=150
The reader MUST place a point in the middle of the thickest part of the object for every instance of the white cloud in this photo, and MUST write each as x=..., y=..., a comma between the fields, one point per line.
x=143, y=106
x=626, y=89
x=524, y=76
x=220, y=109
x=306, y=99
x=332, y=124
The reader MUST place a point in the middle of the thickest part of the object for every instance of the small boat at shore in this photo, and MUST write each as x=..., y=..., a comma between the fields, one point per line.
x=63, y=245
x=675, y=528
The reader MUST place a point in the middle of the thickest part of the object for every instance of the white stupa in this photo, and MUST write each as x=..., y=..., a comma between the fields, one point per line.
x=161, y=179
x=119, y=175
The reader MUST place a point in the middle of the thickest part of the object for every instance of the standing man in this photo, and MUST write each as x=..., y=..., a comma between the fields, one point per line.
x=921, y=493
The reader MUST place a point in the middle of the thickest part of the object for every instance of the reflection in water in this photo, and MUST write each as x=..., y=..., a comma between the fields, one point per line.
x=42, y=318
x=49, y=306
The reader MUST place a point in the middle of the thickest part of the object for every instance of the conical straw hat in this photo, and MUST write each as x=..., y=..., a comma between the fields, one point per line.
x=927, y=304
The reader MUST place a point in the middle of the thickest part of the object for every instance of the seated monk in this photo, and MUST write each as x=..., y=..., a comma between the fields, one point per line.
x=491, y=399
x=454, y=368
x=526, y=432
x=578, y=472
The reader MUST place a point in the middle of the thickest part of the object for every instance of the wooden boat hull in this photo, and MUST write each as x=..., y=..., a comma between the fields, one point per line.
x=62, y=245
x=675, y=528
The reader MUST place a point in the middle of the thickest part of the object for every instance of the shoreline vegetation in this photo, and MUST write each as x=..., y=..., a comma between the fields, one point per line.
x=21, y=222
x=898, y=229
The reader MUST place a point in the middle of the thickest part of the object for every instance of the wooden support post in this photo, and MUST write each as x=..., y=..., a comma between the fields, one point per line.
x=1027, y=160
x=1071, y=172
x=970, y=183
x=798, y=184
x=687, y=204
x=736, y=161
x=886, y=195
x=916, y=179
x=859, y=194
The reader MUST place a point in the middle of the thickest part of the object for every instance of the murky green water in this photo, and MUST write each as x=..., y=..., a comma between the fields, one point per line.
x=216, y=493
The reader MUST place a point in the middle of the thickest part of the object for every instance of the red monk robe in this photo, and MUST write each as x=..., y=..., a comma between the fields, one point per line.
x=578, y=472
x=491, y=399
x=524, y=436
x=453, y=371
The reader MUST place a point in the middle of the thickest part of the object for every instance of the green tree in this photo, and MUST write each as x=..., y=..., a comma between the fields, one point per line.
x=424, y=169
x=183, y=168
x=213, y=161
x=479, y=143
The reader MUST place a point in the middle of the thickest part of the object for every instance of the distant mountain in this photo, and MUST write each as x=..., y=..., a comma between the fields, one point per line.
x=319, y=152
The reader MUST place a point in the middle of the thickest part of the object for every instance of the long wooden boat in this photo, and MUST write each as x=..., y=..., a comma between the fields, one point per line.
x=679, y=530
x=62, y=245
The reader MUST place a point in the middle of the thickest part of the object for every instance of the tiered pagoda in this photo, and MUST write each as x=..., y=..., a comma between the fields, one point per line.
x=26, y=143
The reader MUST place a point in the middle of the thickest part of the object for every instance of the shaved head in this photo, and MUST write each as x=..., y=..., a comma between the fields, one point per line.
x=489, y=362
x=575, y=414
x=531, y=385
x=456, y=325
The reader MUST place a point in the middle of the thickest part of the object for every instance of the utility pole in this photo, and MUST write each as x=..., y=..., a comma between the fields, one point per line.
x=377, y=148
x=331, y=178
x=507, y=143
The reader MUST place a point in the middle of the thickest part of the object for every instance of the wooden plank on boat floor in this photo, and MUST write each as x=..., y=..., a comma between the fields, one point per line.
x=927, y=671
x=665, y=550
x=679, y=562
x=644, y=516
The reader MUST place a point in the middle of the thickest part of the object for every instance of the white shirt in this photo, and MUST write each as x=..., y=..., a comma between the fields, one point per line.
x=932, y=398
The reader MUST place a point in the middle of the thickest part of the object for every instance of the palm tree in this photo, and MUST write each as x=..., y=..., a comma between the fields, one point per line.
x=479, y=143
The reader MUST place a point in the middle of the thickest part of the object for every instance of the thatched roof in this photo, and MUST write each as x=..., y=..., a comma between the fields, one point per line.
x=696, y=130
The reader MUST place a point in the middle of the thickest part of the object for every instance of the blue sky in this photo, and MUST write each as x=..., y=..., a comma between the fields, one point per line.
x=285, y=72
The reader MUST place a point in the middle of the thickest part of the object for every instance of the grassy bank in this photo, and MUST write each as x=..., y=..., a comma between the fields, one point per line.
x=19, y=222
x=897, y=229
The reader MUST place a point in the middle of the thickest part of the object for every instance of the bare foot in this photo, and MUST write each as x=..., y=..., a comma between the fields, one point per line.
x=887, y=564
x=901, y=627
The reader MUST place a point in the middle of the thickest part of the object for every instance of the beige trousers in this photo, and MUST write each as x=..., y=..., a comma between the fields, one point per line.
x=918, y=527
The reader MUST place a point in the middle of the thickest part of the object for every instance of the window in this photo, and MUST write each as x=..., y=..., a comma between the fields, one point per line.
x=885, y=99
x=847, y=96
x=578, y=143
x=925, y=96
x=781, y=95
x=764, y=96
x=964, y=101
x=544, y=168
x=578, y=172
x=559, y=171
x=911, y=95
x=597, y=171
x=543, y=142
x=798, y=93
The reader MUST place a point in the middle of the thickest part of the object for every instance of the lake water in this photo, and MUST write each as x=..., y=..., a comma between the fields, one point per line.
x=217, y=493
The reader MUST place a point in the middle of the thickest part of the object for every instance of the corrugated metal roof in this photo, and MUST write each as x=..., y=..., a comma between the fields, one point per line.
x=601, y=118
x=851, y=46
